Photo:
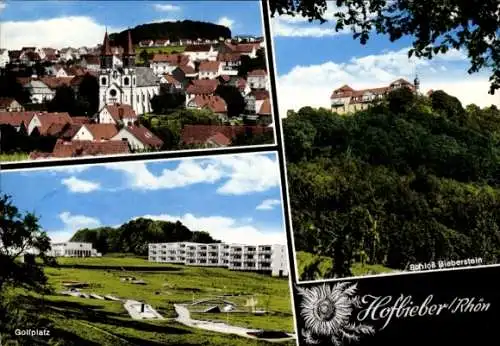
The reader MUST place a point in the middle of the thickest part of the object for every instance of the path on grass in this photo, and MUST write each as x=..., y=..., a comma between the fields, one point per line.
x=184, y=317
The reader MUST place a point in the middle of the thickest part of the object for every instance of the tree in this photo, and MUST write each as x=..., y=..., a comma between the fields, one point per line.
x=248, y=64
x=88, y=95
x=19, y=233
x=234, y=101
x=64, y=100
x=10, y=87
x=144, y=55
x=436, y=26
x=449, y=105
x=166, y=102
x=400, y=99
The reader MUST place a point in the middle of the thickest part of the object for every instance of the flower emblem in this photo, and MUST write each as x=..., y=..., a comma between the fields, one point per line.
x=327, y=311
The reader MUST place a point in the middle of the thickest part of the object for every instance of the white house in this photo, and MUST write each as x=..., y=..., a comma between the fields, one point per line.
x=91, y=62
x=200, y=52
x=257, y=79
x=209, y=69
x=95, y=132
x=167, y=63
x=4, y=58
x=73, y=249
x=117, y=114
x=138, y=138
x=39, y=91
x=254, y=101
x=270, y=259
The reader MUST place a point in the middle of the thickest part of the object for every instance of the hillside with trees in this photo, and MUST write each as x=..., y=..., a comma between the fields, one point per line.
x=134, y=236
x=411, y=180
x=186, y=29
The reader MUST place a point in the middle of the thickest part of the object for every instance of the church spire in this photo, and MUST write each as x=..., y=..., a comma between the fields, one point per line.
x=128, y=52
x=106, y=47
x=129, y=49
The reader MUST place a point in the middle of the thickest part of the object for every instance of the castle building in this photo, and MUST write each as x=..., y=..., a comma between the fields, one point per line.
x=121, y=82
x=268, y=259
x=346, y=100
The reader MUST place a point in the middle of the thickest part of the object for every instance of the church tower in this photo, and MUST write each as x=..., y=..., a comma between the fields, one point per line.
x=117, y=80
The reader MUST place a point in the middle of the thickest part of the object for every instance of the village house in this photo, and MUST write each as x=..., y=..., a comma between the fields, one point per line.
x=212, y=102
x=230, y=63
x=201, y=52
x=29, y=57
x=139, y=138
x=170, y=84
x=254, y=101
x=17, y=120
x=9, y=104
x=257, y=79
x=95, y=132
x=39, y=91
x=117, y=114
x=348, y=100
x=204, y=87
x=14, y=56
x=42, y=121
x=146, y=43
x=91, y=62
x=66, y=149
x=209, y=69
x=73, y=249
x=185, y=73
x=67, y=54
x=4, y=58
x=166, y=63
x=204, y=135
x=162, y=43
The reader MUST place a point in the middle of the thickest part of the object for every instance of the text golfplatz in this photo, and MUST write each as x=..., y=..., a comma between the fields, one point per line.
x=385, y=308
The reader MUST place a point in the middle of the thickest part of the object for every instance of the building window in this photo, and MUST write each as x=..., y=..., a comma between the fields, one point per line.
x=133, y=81
x=126, y=81
x=143, y=98
x=103, y=81
x=112, y=92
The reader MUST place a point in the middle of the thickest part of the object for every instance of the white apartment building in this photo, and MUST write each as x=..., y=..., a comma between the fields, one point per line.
x=271, y=259
x=73, y=249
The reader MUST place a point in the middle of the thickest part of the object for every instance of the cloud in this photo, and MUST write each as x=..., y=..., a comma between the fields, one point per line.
x=225, y=21
x=3, y=5
x=166, y=7
x=188, y=172
x=80, y=186
x=226, y=229
x=71, y=224
x=312, y=85
x=238, y=175
x=74, y=31
x=268, y=204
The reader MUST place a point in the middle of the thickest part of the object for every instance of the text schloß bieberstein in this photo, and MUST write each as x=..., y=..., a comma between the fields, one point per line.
x=446, y=264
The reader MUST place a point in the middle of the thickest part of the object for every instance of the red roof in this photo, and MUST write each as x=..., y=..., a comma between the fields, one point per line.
x=6, y=101
x=233, y=57
x=81, y=120
x=56, y=82
x=202, y=86
x=145, y=136
x=91, y=59
x=173, y=59
x=220, y=139
x=16, y=118
x=198, y=48
x=47, y=119
x=63, y=131
x=171, y=80
x=209, y=66
x=260, y=94
x=102, y=131
x=215, y=103
x=265, y=108
x=257, y=73
x=347, y=91
x=187, y=69
x=119, y=111
x=89, y=148
x=199, y=134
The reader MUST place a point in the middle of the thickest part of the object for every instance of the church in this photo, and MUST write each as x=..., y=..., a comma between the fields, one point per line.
x=122, y=82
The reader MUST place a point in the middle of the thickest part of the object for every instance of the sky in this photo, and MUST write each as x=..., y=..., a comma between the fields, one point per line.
x=63, y=23
x=236, y=198
x=312, y=60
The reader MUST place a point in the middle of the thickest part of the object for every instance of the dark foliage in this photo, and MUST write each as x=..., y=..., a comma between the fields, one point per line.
x=248, y=64
x=234, y=101
x=406, y=181
x=134, y=236
x=186, y=29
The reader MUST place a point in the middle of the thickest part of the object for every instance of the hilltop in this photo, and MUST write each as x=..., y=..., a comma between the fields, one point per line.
x=186, y=29
x=134, y=236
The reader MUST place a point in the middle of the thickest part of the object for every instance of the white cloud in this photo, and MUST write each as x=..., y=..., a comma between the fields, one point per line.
x=188, y=172
x=226, y=229
x=166, y=7
x=3, y=5
x=268, y=204
x=71, y=224
x=80, y=186
x=312, y=85
x=239, y=175
x=74, y=31
x=225, y=21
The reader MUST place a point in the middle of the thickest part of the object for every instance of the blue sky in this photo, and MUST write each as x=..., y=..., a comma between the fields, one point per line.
x=312, y=60
x=78, y=23
x=235, y=198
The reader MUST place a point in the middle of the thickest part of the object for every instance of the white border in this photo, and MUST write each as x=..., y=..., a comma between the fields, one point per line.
x=139, y=155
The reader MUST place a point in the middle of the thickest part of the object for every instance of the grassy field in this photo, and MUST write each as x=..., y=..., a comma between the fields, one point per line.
x=13, y=157
x=166, y=50
x=358, y=269
x=96, y=322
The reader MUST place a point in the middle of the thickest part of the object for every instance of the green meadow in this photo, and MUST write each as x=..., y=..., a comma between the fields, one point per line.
x=99, y=322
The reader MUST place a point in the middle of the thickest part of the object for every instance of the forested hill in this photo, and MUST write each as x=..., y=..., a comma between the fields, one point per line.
x=186, y=29
x=134, y=236
x=412, y=180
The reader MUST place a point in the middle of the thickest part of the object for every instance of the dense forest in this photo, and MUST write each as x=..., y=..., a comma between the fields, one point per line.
x=186, y=29
x=134, y=236
x=412, y=179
